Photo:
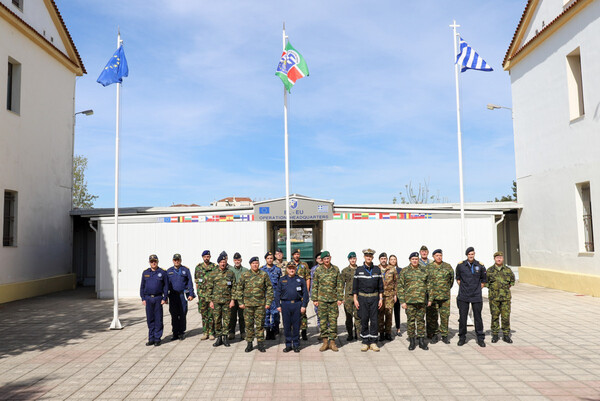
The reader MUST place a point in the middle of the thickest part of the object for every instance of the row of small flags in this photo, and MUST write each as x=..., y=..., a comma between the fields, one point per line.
x=203, y=219
x=381, y=216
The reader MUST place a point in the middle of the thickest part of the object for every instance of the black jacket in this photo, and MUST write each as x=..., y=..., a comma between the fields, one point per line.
x=470, y=278
x=367, y=280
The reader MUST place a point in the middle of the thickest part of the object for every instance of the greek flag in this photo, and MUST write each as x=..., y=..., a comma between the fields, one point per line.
x=469, y=59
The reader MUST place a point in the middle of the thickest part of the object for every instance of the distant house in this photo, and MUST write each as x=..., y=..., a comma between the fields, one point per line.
x=38, y=67
x=232, y=201
x=554, y=65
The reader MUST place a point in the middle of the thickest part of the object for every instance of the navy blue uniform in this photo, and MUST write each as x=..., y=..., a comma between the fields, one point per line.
x=180, y=288
x=154, y=288
x=272, y=315
x=368, y=286
x=291, y=295
x=470, y=276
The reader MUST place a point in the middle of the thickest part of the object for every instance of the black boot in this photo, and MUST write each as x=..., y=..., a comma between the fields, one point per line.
x=461, y=341
x=225, y=340
x=388, y=336
x=248, y=347
x=350, y=336
x=445, y=340
x=261, y=347
x=434, y=339
x=218, y=342
x=422, y=344
x=494, y=338
x=412, y=345
x=381, y=337
x=507, y=339
x=304, y=336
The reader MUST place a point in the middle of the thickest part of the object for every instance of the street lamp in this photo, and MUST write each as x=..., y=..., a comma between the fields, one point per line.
x=491, y=106
x=86, y=112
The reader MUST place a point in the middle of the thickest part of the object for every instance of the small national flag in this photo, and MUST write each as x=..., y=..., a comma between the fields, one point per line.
x=323, y=208
x=115, y=69
x=291, y=67
x=469, y=59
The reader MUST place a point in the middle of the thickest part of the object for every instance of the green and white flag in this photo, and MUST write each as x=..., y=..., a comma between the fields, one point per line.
x=292, y=67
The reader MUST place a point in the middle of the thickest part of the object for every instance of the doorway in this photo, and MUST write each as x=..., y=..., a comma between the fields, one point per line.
x=306, y=236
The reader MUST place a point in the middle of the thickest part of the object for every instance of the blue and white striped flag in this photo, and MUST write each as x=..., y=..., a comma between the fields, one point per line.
x=469, y=59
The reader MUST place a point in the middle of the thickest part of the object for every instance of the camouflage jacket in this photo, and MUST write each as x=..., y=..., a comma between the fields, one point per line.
x=220, y=286
x=327, y=284
x=281, y=266
x=441, y=280
x=413, y=285
x=390, y=280
x=348, y=280
x=499, y=281
x=302, y=270
x=254, y=289
x=201, y=276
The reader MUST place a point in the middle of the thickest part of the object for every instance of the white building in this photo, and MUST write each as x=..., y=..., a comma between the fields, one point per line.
x=316, y=224
x=38, y=67
x=554, y=66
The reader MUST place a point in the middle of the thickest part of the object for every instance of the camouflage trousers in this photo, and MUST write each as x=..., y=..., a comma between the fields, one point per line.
x=385, y=315
x=303, y=321
x=351, y=313
x=439, y=308
x=208, y=322
x=221, y=316
x=328, y=315
x=254, y=316
x=500, y=308
x=415, y=316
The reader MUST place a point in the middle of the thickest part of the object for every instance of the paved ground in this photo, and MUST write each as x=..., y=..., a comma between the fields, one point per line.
x=58, y=347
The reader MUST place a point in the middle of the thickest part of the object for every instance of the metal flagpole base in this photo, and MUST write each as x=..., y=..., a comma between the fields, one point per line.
x=116, y=324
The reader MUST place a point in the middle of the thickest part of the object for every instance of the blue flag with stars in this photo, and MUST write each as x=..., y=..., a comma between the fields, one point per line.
x=115, y=69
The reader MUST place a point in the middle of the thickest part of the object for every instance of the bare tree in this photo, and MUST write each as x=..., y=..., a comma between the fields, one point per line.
x=421, y=194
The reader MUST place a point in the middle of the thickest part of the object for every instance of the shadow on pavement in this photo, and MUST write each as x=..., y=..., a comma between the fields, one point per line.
x=23, y=390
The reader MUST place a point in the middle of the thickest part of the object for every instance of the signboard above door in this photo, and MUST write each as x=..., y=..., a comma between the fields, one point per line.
x=301, y=209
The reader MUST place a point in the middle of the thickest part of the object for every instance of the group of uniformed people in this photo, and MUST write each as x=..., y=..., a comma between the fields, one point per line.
x=371, y=295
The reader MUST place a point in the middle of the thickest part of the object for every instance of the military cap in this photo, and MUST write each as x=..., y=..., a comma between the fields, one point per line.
x=220, y=258
x=423, y=248
x=382, y=255
x=499, y=253
x=254, y=259
x=268, y=254
x=317, y=254
x=237, y=255
x=278, y=250
x=295, y=251
x=351, y=255
x=152, y=257
x=291, y=265
x=413, y=255
x=325, y=254
x=368, y=251
x=223, y=254
x=469, y=250
x=207, y=252
x=177, y=257
x=437, y=251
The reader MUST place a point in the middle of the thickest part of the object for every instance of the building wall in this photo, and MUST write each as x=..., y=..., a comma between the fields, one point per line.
x=544, y=13
x=36, y=154
x=553, y=153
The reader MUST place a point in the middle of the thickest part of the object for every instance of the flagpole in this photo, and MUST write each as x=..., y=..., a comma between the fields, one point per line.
x=459, y=134
x=116, y=324
x=288, y=245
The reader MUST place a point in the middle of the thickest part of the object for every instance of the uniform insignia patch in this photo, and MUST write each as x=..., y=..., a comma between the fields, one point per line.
x=159, y=274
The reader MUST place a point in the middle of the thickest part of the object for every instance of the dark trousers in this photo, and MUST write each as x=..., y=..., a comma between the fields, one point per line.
x=463, y=310
x=290, y=313
x=154, y=317
x=237, y=313
x=368, y=318
x=397, y=310
x=178, y=307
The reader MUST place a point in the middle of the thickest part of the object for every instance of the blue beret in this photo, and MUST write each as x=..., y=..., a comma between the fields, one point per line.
x=220, y=258
x=223, y=254
x=469, y=250
x=268, y=254
x=237, y=255
x=278, y=250
x=207, y=252
x=414, y=255
x=437, y=251
x=254, y=259
x=382, y=255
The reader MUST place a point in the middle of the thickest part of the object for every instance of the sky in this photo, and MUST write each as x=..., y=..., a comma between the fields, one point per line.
x=202, y=109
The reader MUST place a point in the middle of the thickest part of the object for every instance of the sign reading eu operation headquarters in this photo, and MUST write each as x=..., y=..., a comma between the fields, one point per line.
x=300, y=209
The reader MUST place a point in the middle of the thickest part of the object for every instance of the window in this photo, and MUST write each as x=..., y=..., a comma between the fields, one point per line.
x=9, y=229
x=586, y=230
x=13, y=87
x=575, y=84
x=18, y=4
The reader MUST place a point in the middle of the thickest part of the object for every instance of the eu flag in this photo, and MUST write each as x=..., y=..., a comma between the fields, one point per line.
x=115, y=69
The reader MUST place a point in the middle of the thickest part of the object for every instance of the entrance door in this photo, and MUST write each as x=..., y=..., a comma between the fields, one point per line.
x=307, y=236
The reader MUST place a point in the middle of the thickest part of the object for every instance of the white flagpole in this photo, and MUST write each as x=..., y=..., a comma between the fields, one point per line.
x=459, y=133
x=116, y=324
x=288, y=245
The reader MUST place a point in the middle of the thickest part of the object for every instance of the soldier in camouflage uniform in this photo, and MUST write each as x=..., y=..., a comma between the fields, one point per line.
x=201, y=276
x=254, y=293
x=441, y=280
x=272, y=317
x=220, y=293
x=390, y=288
x=413, y=287
x=302, y=271
x=349, y=308
x=499, y=280
x=279, y=262
x=327, y=295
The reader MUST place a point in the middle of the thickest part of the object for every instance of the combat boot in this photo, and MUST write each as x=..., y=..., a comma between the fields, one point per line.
x=350, y=337
x=381, y=336
x=388, y=336
x=304, y=336
x=434, y=339
x=412, y=345
x=495, y=338
x=422, y=344
x=507, y=339
x=248, y=347
x=325, y=345
x=261, y=346
x=332, y=346
x=218, y=342
x=364, y=348
x=204, y=336
x=225, y=341
x=231, y=336
x=211, y=337
x=445, y=340
x=374, y=347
